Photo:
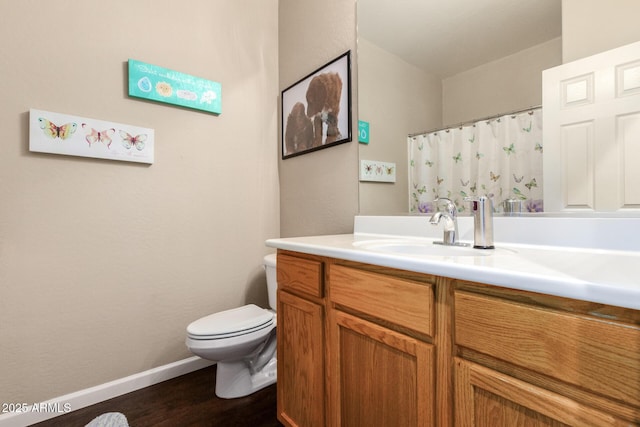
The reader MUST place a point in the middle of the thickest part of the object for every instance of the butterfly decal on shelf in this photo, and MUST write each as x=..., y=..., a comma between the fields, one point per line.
x=129, y=141
x=531, y=184
x=472, y=139
x=94, y=136
x=439, y=180
x=458, y=157
x=493, y=176
x=389, y=169
x=464, y=184
x=479, y=155
x=509, y=150
x=53, y=131
x=538, y=147
x=518, y=180
x=428, y=163
x=368, y=168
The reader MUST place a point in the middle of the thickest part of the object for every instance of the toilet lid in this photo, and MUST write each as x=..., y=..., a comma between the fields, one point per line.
x=232, y=322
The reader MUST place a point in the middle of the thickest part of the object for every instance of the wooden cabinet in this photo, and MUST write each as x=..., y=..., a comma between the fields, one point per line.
x=403, y=302
x=301, y=379
x=363, y=345
x=487, y=398
x=381, y=373
x=538, y=360
x=380, y=377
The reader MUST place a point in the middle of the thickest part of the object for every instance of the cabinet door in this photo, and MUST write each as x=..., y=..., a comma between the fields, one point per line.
x=484, y=397
x=379, y=377
x=300, y=361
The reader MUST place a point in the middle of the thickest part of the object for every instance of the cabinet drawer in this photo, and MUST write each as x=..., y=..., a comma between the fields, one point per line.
x=299, y=274
x=595, y=354
x=400, y=301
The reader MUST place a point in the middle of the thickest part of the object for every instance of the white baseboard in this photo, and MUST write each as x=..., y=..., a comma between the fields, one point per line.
x=36, y=412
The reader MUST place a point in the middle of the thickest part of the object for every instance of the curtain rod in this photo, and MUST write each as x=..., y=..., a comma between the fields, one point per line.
x=468, y=123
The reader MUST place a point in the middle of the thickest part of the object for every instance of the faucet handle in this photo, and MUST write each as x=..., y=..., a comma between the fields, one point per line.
x=451, y=207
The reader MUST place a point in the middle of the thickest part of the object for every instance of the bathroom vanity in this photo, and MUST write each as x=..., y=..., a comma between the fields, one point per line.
x=370, y=334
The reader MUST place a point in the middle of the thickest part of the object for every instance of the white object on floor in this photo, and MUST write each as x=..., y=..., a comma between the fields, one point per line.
x=110, y=419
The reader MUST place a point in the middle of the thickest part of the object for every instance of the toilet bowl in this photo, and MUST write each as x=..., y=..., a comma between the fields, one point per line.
x=242, y=342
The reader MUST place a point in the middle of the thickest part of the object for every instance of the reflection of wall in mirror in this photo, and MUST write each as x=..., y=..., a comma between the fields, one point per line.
x=507, y=84
x=388, y=99
x=593, y=26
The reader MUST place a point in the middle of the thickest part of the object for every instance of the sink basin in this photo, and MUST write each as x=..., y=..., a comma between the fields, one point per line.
x=418, y=247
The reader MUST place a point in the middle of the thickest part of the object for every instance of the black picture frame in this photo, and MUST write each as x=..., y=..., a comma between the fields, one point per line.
x=316, y=110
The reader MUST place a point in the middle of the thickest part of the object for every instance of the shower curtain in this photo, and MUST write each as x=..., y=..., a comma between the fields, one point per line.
x=499, y=157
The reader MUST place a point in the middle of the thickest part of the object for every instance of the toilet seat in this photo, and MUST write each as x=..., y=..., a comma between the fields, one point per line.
x=231, y=323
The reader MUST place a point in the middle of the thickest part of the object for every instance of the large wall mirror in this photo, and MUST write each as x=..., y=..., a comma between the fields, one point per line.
x=429, y=64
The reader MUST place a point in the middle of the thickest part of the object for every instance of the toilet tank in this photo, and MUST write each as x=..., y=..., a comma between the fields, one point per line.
x=272, y=285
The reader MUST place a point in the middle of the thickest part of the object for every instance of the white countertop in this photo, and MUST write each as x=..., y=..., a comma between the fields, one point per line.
x=589, y=274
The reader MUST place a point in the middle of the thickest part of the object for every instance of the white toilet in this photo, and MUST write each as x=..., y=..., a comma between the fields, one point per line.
x=242, y=341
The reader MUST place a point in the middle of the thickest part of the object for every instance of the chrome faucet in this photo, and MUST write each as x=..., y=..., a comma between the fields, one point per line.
x=482, y=210
x=450, y=217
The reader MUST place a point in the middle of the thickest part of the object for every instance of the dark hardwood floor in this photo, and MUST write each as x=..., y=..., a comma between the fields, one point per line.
x=188, y=400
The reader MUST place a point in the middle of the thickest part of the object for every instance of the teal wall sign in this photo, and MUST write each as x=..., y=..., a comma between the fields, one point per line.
x=172, y=87
x=363, y=132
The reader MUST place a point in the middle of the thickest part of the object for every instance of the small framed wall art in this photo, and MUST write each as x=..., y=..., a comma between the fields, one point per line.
x=316, y=110
x=58, y=133
x=371, y=170
x=160, y=84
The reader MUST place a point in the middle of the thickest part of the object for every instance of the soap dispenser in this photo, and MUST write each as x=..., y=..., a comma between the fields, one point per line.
x=482, y=210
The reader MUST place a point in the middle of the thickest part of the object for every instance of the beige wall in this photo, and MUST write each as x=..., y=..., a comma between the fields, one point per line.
x=318, y=190
x=507, y=84
x=389, y=101
x=104, y=263
x=593, y=26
